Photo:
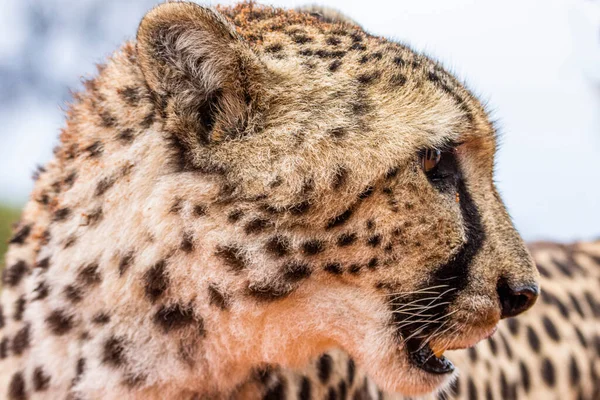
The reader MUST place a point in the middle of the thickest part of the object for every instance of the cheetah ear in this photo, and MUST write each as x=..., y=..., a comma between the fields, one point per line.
x=203, y=75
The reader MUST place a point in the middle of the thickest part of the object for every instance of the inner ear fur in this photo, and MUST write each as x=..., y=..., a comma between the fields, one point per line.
x=205, y=78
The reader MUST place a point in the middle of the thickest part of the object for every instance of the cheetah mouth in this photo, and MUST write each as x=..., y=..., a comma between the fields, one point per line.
x=422, y=356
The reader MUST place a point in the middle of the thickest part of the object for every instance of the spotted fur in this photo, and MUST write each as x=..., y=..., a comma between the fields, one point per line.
x=552, y=351
x=243, y=188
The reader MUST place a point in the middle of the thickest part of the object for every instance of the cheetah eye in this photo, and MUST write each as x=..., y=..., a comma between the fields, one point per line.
x=430, y=159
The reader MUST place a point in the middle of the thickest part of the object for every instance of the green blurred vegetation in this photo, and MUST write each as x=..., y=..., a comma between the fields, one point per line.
x=8, y=216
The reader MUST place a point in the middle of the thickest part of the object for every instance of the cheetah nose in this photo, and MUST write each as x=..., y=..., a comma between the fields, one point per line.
x=516, y=299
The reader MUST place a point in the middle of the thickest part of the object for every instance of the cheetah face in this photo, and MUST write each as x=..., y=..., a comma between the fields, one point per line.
x=346, y=189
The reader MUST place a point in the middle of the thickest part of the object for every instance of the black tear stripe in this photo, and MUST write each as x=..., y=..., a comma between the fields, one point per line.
x=454, y=274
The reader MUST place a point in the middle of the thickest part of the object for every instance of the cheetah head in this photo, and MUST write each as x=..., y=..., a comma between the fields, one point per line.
x=304, y=185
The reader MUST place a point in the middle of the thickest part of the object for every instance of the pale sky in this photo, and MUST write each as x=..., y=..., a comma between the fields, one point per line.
x=525, y=58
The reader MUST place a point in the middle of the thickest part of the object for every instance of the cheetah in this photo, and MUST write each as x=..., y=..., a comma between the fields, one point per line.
x=551, y=352
x=252, y=186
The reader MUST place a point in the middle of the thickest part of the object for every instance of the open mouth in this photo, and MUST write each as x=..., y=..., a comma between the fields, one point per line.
x=423, y=357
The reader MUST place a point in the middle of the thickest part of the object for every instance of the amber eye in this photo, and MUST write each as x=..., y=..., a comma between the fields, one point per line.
x=430, y=159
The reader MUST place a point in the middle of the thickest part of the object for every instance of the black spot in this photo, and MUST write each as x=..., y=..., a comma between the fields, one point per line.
x=16, y=388
x=525, y=379
x=278, y=246
x=564, y=268
x=324, y=367
x=340, y=178
x=507, y=347
x=187, y=243
x=338, y=132
x=333, y=40
x=134, y=380
x=550, y=329
x=131, y=95
x=574, y=374
x=333, y=268
x=125, y=263
x=513, y=325
x=276, y=392
x=471, y=390
x=358, y=46
x=217, y=298
x=19, y=308
x=113, y=351
x=322, y=53
x=21, y=235
x=299, y=208
x=472, y=354
x=1, y=317
x=147, y=121
x=199, y=210
x=3, y=348
x=356, y=37
x=594, y=305
x=312, y=247
x=548, y=372
x=70, y=241
x=504, y=387
x=21, y=340
x=235, y=215
x=79, y=370
x=366, y=79
x=301, y=39
x=342, y=390
x=59, y=322
x=367, y=192
x=373, y=263
x=354, y=268
x=44, y=263
x=232, y=256
x=374, y=240
x=256, y=225
x=125, y=136
x=41, y=380
x=89, y=275
x=274, y=48
x=108, y=120
x=94, y=216
x=493, y=346
x=543, y=271
x=177, y=316
x=306, y=52
x=95, y=149
x=61, y=214
x=156, y=281
x=12, y=275
x=73, y=293
x=581, y=337
x=101, y=318
x=576, y=305
x=533, y=339
x=339, y=219
x=351, y=371
x=346, y=239
x=335, y=65
x=295, y=271
x=305, y=389
x=103, y=185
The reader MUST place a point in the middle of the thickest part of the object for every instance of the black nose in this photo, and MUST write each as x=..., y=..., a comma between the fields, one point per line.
x=516, y=299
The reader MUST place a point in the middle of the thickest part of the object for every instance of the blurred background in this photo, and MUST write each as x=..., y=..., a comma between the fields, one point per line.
x=536, y=63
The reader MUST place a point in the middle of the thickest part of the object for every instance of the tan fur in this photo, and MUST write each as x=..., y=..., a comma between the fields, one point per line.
x=194, y=223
